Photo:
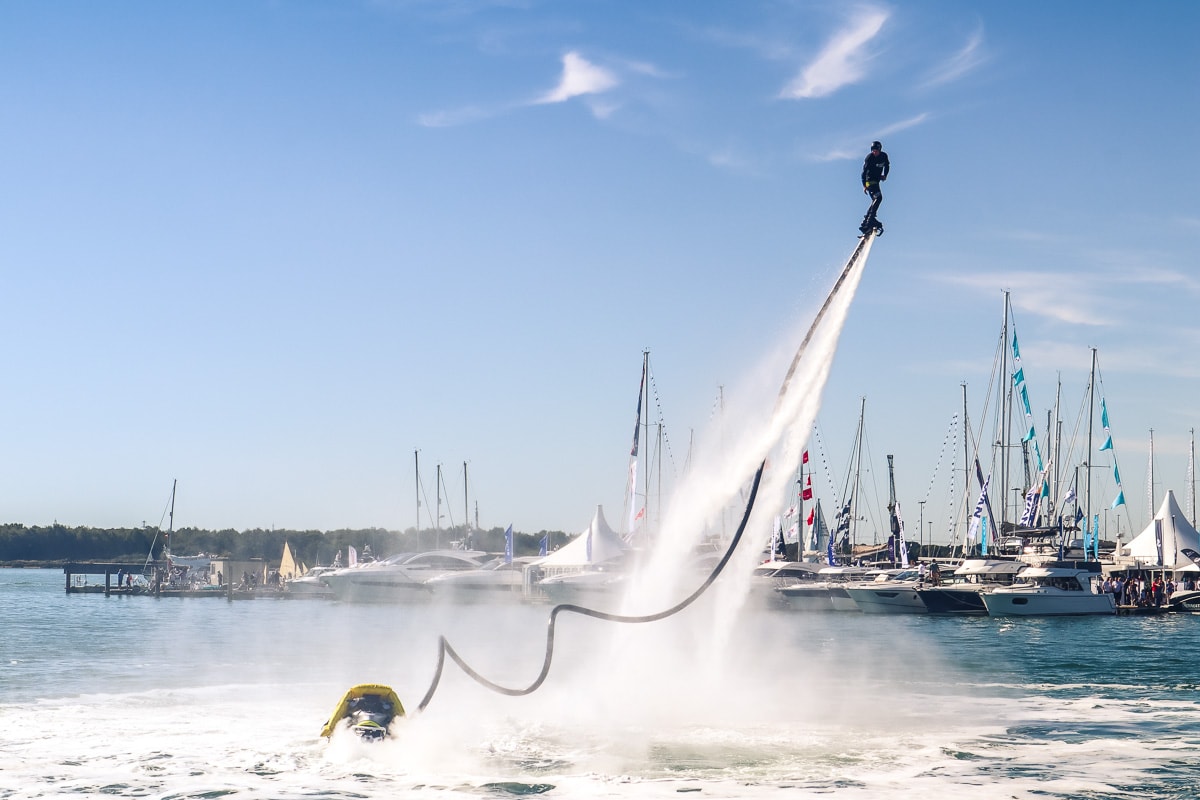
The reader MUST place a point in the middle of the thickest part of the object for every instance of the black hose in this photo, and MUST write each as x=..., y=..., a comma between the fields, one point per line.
x=446, y=649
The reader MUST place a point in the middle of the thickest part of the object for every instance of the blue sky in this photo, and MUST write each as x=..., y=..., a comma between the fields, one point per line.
x=270, y=249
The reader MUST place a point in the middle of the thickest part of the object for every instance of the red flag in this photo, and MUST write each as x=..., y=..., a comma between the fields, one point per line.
x=808, y=489
x=805, y=457
x=811, y=514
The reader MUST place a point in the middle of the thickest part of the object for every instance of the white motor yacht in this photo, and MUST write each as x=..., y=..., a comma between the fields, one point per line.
x=960, y=593
x=310, y=584
x=826, y=593
x=496, y=580
x=400, y=578
x=770, y=576
x=1056, y=588
x=889, y=593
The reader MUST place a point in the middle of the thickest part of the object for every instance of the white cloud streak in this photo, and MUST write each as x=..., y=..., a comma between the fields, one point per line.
x=841, y=62
x=579, y=77
x=965, y=60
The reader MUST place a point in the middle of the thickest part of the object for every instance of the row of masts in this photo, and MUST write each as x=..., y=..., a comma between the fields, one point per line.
x=440, y=484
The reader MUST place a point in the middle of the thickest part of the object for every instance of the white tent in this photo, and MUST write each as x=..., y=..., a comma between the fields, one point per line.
x=596, y=544
x=1177, y=535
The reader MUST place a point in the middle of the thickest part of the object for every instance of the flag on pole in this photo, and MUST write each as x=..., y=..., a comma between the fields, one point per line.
x=807, y=494
x=508, y=545
x=980, y=505
x=545, y=547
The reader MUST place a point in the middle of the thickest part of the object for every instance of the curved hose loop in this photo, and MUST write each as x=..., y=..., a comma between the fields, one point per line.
x=446, y=649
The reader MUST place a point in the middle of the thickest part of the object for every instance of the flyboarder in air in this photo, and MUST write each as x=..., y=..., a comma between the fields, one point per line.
x=874, y=172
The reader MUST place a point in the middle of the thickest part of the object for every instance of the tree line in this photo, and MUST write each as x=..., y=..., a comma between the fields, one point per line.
x=55, y=544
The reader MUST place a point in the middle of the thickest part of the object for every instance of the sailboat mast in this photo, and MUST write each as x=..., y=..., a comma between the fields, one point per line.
x=644, y=413
x=466, y=507
x=893, y=522
x=1191, y=476
x=1150, y=486
x=800, y=506
x=1005, y=412
x=1091, y=412
x=966, y=521
x=437, y=523
x=171, y=517
x=417, y=473
x=857, y=474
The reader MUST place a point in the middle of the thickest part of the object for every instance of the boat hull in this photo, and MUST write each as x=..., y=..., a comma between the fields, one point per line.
x=944, y=600
x=807, y=598
x=1004, y=603
x=887, y=599
x=840, y=599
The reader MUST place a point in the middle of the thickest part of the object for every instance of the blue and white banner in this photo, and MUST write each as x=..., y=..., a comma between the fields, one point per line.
x=508, y=545
x=980, y=506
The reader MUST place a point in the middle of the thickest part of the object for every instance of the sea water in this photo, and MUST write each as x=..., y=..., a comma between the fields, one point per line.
x=205, y=697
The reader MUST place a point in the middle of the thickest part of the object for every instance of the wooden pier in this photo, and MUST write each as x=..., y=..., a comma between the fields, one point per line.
x=108, y=569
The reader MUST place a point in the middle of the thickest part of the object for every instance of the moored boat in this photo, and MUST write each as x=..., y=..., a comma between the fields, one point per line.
x=1056, y=588
x=889, y=594
x=962, y=593
x=400, y=578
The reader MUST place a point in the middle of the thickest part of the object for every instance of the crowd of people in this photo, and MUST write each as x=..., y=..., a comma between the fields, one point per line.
x=1143, y=590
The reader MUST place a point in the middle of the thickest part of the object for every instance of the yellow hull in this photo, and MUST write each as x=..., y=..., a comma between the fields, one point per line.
x=343, y=710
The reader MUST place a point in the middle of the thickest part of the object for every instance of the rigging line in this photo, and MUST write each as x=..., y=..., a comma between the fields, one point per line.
x=950, y=434
x=446, y=649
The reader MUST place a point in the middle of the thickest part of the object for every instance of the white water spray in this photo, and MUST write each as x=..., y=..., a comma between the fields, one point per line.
x=713, y=484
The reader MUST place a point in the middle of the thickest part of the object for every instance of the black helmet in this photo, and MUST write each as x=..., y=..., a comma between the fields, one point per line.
x=876, y=146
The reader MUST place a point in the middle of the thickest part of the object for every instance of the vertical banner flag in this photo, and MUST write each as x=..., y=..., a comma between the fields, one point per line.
x=1018, y=377
x=508, y=545
x=1096, y=536
x=903, y=546
x=980, y=505
x=1158, y=540
x=545, y=548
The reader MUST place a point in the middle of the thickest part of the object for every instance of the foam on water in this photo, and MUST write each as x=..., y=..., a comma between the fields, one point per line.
x=857, y=706
x=136, y=697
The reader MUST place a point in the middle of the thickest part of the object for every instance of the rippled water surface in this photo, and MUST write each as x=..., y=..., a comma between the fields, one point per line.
x=205, y=698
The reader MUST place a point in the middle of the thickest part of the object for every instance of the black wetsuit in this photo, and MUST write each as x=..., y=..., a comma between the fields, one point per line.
x=874, y=171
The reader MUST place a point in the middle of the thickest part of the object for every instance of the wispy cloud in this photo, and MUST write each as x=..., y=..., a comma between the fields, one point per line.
x=857, y=149
x=1064, y=297
x=842, y=61
x=579, y=77
x=966, y=59
x=451, y=117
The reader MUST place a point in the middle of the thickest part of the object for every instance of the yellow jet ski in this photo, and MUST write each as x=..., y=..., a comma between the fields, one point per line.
x=370, y=709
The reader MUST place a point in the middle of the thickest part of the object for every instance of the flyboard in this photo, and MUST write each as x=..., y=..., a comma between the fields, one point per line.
x=856, y=262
